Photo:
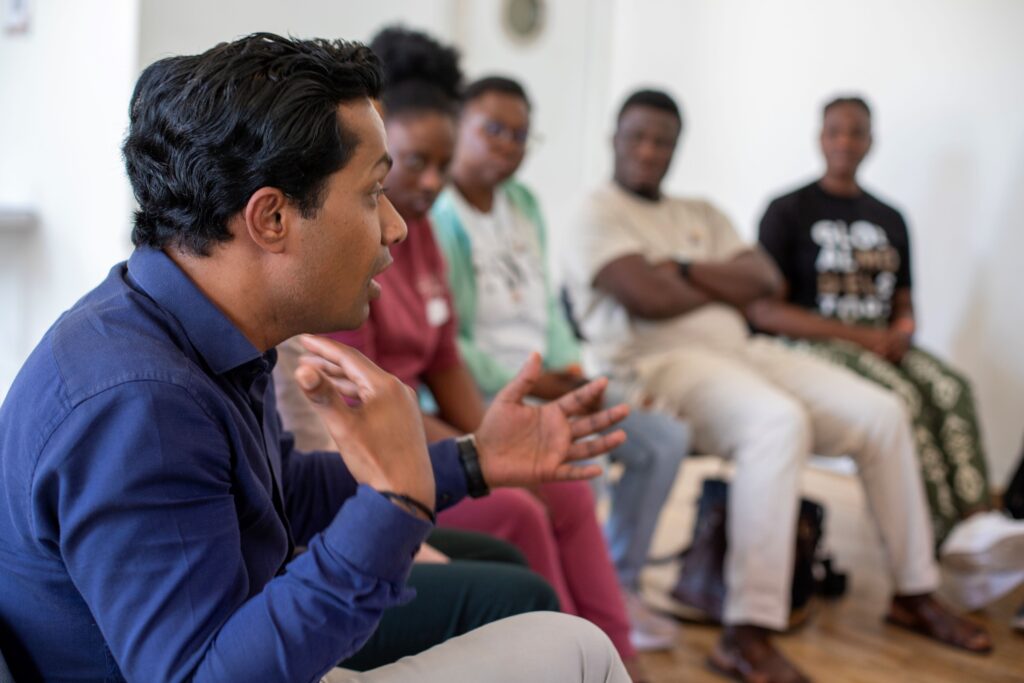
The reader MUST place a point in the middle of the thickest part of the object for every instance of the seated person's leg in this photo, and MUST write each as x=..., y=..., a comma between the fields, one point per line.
x=933, y=461
x=585, y=562
x=736, y=413
x=518, y=517
x=650, y=458
x=542, y=648
x=562, y=542
x=853, y=416
x=452, y=599
x=982, y=539
x=470, y=545
x=957, y=432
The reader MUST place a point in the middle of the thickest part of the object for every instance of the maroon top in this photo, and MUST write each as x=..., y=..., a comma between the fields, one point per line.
x=411, y=328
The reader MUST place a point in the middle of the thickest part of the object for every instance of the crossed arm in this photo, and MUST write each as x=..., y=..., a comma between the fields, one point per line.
x=659, y=291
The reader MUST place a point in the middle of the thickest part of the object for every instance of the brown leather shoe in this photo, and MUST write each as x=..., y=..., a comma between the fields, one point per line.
x=746, y=653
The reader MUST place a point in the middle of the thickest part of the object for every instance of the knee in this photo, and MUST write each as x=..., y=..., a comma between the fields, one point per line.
x=526, y=512
x=599, y=661
x=539, y=595
x=518, y=590
x=786, y=422
x=656, y=442
x=561, y=637
x=570, y=505
x=672, y=438
x=951, y=388
x=886, y=407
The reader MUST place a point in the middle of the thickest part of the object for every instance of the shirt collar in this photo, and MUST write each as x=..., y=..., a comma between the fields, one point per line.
x=218, y=341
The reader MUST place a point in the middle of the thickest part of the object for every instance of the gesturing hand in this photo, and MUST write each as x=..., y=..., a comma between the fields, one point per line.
x=380, y=439
x=520, y=445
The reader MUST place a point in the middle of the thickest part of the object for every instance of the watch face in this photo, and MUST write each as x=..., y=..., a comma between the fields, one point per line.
x=523, y=19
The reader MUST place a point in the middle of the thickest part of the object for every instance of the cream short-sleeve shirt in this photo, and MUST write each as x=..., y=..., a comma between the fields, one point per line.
x=613, y=223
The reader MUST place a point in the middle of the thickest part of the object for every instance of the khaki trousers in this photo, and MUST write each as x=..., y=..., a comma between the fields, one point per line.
x=767, y=406
x=540, y=647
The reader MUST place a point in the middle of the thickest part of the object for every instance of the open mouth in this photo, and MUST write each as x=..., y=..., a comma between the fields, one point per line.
x=387, y=264
x=373, y=286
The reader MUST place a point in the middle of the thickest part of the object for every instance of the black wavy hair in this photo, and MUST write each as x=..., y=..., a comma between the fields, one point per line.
x=502, y=84
x=208, y=130
x=657, y=99
x=420, y=74
x=855, y=100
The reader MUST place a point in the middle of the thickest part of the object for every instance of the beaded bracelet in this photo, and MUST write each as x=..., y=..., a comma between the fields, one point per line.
x=411, y=502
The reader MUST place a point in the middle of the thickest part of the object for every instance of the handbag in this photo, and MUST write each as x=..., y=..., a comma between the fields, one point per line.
x=701, y=581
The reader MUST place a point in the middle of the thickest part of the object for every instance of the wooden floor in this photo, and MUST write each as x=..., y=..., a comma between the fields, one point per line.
x=845, y=641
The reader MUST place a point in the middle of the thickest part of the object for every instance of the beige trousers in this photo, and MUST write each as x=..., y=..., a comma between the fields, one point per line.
x=768, y=406
x=539, y=647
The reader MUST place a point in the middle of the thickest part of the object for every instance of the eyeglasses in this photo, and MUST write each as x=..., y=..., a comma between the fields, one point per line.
x=499, y=131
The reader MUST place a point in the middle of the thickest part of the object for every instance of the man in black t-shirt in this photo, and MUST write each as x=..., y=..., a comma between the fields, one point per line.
x=845, y=256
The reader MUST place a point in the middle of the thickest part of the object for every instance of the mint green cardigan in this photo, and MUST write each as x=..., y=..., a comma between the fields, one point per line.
x=562, y=349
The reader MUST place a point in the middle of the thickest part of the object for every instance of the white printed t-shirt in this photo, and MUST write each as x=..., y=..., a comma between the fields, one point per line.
x=511, y=296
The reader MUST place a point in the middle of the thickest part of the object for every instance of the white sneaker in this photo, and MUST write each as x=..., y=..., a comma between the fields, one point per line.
x=975, y=589
x=987, y=541
x=649, y=630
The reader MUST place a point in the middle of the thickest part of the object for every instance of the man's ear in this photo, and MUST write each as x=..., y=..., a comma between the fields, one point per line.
x=268, y=219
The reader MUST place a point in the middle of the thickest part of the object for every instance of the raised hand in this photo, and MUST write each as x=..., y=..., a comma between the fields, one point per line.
x=521, y=445
x=554, y=385
x=381, y=437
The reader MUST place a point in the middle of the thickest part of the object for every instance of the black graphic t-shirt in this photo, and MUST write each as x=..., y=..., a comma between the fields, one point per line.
x=843, y=257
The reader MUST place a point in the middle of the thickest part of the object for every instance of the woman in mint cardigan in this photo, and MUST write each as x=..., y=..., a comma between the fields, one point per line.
x=561, y=351
x=493, y=236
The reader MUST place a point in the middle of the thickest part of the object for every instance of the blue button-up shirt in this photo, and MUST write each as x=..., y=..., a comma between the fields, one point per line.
x=150, y=503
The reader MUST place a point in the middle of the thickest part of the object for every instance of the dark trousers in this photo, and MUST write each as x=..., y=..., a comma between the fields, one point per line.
x=486, y=580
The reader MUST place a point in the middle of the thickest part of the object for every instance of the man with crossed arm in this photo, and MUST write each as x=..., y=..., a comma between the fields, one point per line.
x=660, y=284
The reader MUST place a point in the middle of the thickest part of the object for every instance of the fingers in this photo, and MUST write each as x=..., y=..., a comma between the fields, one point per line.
x=589, y=448
x=352, y=364
x=576, y=472
x=319, y=389
x=598, y=422
x=333, y=374
x=521, y=385
x=578, y=402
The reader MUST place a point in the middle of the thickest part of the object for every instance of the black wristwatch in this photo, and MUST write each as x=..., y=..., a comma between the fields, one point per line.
x=476, y=487
x=684, y=269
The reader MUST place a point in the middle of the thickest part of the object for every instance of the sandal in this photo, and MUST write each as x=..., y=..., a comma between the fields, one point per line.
x=934, y=621
x=760, y=663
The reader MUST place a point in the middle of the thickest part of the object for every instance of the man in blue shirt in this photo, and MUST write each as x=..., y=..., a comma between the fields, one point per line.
x=151, y=502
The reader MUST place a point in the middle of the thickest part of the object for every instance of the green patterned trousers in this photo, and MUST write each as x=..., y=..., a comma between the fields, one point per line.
x=945, y=425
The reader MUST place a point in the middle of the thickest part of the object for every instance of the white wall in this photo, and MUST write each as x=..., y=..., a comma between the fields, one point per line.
x=64, y=89
x=944, y=77
x=190, y=26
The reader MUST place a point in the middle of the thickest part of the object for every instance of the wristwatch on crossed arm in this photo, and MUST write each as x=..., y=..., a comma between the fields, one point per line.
x=684, y=268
